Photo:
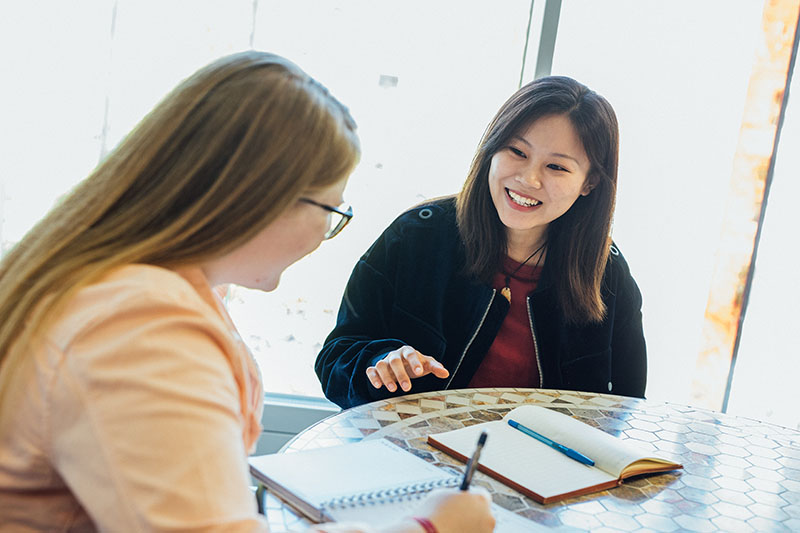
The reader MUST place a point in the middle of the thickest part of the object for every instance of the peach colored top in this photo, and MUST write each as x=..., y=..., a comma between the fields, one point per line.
x=135, y=413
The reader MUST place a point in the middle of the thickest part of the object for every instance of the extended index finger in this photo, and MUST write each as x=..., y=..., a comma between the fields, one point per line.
x=433, y=366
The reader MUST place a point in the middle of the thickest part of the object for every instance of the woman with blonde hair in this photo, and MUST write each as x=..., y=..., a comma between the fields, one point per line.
x=127, y=400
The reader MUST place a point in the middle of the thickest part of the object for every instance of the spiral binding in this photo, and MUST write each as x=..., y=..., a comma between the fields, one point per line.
x=414, y=491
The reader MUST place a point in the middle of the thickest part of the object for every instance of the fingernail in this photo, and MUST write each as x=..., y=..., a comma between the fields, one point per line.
x=418, y=369
x=391, y=387
x=406, y=385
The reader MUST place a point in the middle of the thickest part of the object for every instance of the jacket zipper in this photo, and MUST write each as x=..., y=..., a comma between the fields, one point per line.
x=466, y=349
x=535, y=344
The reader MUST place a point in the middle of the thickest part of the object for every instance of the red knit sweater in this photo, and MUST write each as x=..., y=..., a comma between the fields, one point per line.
x=511, y=359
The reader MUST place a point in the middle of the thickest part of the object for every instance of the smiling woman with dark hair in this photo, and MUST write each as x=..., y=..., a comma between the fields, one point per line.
x=514, y=282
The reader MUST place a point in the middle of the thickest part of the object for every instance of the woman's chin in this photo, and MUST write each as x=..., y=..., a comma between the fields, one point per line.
x=264, y=284
x=269, y=287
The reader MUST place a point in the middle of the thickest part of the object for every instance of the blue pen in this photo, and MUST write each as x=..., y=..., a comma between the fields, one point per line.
x=569, y=452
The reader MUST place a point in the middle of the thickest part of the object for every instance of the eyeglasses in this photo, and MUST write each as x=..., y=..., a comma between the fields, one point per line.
x=338, y=217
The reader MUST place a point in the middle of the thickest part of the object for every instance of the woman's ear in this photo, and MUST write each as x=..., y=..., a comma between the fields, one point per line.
x=587, y=188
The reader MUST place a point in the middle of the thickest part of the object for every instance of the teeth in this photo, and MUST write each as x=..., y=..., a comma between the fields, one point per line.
x=521, y=200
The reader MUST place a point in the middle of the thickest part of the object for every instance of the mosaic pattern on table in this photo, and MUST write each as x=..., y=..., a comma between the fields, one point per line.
x=739, y=474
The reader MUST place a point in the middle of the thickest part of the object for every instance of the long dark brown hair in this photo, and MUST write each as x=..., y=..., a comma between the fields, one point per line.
x=223, y=155
x=578, y=241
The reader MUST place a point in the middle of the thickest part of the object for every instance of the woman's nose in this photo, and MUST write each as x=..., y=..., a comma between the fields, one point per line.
x=530, y=178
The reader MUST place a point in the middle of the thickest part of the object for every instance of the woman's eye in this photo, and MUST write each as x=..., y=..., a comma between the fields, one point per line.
x=557, y=167
x=516, y=151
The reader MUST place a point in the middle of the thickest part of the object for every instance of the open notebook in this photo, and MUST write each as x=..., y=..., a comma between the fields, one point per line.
x=372, y=481
x=542, y=473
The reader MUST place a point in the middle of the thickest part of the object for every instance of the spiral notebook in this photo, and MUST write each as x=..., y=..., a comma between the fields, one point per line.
x=372, y=481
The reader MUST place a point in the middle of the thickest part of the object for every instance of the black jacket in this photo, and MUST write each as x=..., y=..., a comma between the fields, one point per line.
x=408, y=289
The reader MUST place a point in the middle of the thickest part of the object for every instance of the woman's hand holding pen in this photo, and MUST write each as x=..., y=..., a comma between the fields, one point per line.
x=400, y=366
x=446, y=510
x=458, y=511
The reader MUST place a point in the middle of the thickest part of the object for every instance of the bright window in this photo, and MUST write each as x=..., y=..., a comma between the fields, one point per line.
x=765, y=377
x=677, y=73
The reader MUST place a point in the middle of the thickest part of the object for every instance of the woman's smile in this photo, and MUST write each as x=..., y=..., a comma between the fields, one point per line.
x=522, y=202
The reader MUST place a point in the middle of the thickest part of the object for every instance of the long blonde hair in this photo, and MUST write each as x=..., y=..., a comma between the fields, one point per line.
x=218, y=159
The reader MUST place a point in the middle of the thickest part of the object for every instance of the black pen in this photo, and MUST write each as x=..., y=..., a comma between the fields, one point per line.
x=473, y=462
